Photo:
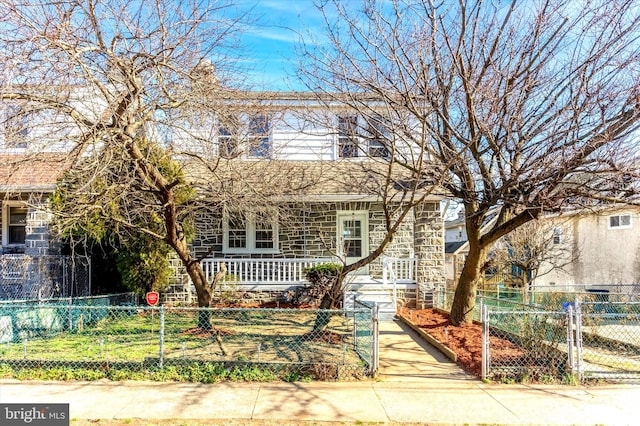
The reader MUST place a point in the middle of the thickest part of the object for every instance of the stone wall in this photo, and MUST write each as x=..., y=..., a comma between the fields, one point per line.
x=309, y=230
x=39, y=241
x=429, y=250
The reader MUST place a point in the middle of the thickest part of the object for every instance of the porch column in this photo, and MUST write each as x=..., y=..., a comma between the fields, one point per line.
x=38, y=241
x=428, y=237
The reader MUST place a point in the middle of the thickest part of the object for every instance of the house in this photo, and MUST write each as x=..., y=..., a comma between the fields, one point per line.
x=596, y=250
x=296, y=191
x=31, y=264
x=605, y=251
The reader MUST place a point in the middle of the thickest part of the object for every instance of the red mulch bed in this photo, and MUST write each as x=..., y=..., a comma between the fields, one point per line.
x=465, y=340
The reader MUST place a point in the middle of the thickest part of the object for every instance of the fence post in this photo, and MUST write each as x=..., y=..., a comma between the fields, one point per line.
x=374, y=340
x=578, y=322
x=161, y=334
x=484, y=315
x=570, y=339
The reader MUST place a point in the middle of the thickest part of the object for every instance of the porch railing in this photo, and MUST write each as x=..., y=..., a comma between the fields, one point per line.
x=261, y=271
x=404, y=269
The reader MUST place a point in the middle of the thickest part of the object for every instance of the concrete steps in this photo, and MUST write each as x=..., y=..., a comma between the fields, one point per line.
x=382, y=297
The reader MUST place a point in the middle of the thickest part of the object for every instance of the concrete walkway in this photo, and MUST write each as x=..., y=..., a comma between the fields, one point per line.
x=416, y=385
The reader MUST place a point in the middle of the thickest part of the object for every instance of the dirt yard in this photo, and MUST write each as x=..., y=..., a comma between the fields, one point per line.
x=465, y=340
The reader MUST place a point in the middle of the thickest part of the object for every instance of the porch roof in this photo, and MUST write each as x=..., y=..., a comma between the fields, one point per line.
x=308, y=180
x=29, y=173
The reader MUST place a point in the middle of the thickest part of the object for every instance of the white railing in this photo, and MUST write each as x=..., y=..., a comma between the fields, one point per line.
x=261, y=271
x=404, y=269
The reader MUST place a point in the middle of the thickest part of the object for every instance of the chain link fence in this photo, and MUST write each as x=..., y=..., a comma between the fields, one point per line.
x=116, y=299
x=586, y=341
x=524, y=345
x=289, y=343
x=609, y=342
x=41, y=277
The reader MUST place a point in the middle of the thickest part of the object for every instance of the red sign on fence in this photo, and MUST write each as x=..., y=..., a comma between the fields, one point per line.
x=153, y=297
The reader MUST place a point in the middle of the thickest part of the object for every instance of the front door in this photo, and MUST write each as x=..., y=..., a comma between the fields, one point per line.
x=353, y=235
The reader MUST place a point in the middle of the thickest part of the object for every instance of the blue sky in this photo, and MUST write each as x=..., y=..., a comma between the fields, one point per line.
x=270, y=42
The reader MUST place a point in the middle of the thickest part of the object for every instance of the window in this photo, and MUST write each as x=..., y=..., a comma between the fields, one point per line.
x=14, y=224
x=237, y=231
x=347, y=136
x=352, y=238
x=557, y=235
x=620, y=221
x=251, y=135
x=228, y=131
x=250, y=232
x=16, y=126
x=259, y=140
x=378, y=137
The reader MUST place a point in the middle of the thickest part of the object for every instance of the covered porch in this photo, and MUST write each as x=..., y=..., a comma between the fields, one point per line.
x=270, y=279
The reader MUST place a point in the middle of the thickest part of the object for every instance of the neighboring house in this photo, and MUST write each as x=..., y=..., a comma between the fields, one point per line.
x=31, y=266
x=314, y=196
x=592, y=249
x=25, y=183
x=606, y=247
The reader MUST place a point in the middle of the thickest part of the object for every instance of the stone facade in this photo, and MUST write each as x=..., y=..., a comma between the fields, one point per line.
x=429, y=250
x=38, y=239
x=309, y=230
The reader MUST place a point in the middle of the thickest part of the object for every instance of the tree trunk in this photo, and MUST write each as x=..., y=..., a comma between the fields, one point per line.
x=465, y=298
x=329, y=301
x=199, y=280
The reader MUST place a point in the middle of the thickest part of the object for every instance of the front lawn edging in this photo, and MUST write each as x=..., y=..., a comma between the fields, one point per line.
x=430, y=339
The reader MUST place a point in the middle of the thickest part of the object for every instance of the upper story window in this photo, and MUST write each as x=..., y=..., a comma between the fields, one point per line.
x=14, y=223
x=244, y=135
x=363, y=137
x=250, y=232
x=622, y=221
x=259, y=136
x=557, y=235
x=347, y=136
x=16, y=126
x=228, y=134
x=378, y=135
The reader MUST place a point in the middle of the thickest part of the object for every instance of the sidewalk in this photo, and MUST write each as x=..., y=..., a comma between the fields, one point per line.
x=416, y=384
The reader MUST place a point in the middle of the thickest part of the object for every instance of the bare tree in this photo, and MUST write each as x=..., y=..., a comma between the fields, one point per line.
x=126, y=89
x=529, y=106
x=534, y=249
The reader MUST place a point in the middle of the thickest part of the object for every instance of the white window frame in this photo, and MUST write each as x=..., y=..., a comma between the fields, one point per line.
x=248, y=135
x=6, y=205
x=259, y=136
x=347, y=136
x=619, y=216
x=250, y=228
x=557, y=235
